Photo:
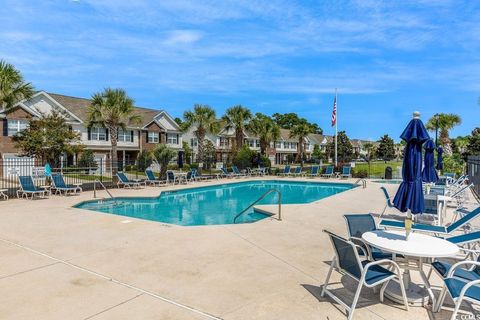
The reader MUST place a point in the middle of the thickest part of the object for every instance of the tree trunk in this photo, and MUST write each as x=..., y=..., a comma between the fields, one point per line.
x=263, y=147
x=239, y=138
x=200, y=133
x=300, y=152
x=114, y=157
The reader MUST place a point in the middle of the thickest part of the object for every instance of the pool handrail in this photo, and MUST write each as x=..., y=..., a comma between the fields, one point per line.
x=261, y=198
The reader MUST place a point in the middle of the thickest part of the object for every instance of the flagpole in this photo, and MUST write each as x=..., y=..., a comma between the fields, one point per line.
x=336, y=130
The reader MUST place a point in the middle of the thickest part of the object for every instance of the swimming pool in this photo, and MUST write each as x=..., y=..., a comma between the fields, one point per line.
x=217, y=204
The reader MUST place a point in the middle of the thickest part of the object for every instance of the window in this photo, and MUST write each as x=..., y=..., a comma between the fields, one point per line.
x=278, y=145
x=224, y=142
x=125, y=136
x=257, y=143
x=153, y=137
x=172, y=138
x=16, y=126
x=99, y=134
x=193, y=142
x=251, y=143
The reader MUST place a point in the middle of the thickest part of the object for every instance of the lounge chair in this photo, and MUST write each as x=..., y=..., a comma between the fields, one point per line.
x=286, y=171
x=366, y=273
x=225, y=173
x=459, y=288
x=357, y=225
x=152, y=180
x=328, y=172
x=346, y=172
x=438, y=230
x=237, y=172
x=297, y=172
x=389, y=203
x=27, y=187
x=313, y=172
x=123, y=181
x=59, y=185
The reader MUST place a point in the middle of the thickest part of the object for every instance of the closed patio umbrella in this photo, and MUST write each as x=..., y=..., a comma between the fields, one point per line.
x=48, y=170
x=429, y=174
x=409, y=195
x=180, y=159
x=439, y=158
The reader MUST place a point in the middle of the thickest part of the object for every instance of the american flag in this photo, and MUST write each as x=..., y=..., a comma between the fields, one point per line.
x=334, y=113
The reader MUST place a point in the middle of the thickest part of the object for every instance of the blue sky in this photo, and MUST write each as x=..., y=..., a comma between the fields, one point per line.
x=387, y=59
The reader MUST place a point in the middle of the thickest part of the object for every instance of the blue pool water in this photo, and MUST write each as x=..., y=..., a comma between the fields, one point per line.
x=218, y=204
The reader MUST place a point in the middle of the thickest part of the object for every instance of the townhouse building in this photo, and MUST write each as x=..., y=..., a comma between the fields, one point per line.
x=156, y=126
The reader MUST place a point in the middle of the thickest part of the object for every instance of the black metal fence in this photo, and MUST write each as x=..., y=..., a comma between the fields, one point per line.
x=12, y=168
x=473, y=171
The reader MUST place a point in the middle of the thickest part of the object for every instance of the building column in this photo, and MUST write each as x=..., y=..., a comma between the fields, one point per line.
x=123, y=158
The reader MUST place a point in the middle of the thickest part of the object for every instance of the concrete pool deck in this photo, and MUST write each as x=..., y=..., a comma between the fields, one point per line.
x=59, y=262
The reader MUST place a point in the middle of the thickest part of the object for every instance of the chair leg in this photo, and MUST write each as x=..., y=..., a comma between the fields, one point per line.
x=440, y=300
x=382, y=290
x=384, y=209
x=404, y=293
x=455, y=311
x=332, y=266
x=355, y=300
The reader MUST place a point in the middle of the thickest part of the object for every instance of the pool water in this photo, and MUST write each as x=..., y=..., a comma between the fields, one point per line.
x=218, y=204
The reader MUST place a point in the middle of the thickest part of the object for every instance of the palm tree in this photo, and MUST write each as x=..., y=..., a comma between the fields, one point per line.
x=444, y=122
x=163, y=154
x=12, y=86
x=203, y=118
x=237, y=117
x=265, y=129
x=112, y=109
x=301, y=131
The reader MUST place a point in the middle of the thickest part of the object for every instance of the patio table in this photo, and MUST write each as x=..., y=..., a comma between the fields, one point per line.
x=415, y=250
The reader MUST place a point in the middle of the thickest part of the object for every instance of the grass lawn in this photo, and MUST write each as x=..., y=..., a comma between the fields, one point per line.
x=377, y=169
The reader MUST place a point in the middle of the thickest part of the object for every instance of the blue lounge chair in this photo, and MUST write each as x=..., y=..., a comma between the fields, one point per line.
x=59, y=185
x=357, y=225
x=389, y=203
x=286, y=171
x=27, y=187
x=346, y=172
x=297, y=172
x=365, y=272
x=328, y=172
x=313, y=172
x=460, y=289
x=438, y=230
x=123, y=181
x=237, y=172
x=152, y=180
x=225, y=173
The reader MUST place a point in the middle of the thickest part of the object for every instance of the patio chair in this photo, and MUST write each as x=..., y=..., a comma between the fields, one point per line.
x=437, y=230
x=59, y=185
x=188, y=178
x=237, y=172
x=152, y=180
x=297, y=172
x=313, y=172
x=328, y=172
x=389, y=203
x=346, y=172
x=285, y=172
x=357, y=225
x=459, y=289
x=366, y=273
x=263, y=171
x=171, y=178
x=123, y=181
x=27, y=187
x=225, y=173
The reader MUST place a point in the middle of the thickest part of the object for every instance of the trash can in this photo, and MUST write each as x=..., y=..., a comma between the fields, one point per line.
x=388, y=173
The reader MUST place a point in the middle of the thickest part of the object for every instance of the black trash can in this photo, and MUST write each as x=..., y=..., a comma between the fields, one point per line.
x=388, y=173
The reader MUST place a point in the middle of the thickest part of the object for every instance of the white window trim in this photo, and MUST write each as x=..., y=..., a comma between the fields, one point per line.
x=98, y=134
x=125, y=136
x=153, y=137
x=20, y=125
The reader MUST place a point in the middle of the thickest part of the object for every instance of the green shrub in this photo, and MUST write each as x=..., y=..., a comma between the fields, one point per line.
x=87, y=159
x=454, y=164
x=144, y=160
x=265, y=161
x=244, y=157
x=361, y=173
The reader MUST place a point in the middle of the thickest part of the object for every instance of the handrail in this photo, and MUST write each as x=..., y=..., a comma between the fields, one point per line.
x=261, y=198
x=105, y=188
x=364, y=182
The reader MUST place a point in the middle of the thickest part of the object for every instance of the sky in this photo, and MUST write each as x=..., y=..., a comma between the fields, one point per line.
x=387, y=58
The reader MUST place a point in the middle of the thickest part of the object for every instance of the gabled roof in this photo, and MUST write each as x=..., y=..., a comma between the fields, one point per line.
x=22, y=106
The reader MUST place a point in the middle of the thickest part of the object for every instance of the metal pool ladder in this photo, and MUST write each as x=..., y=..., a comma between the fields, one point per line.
x=364, y=182
x=261, y=198
x=104, y=188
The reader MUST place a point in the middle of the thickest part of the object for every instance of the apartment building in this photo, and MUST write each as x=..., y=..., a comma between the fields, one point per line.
x=156, y=126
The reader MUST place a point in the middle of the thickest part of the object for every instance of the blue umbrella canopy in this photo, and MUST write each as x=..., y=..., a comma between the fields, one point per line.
x=48, y=170
x=410, y=194
x=429, y=174
x=439, y=158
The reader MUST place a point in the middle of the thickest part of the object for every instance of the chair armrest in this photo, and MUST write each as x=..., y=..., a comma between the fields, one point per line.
x=357, y=240
x=466, y=287
x=383, y=261
x=361, y=248
x=461, y=263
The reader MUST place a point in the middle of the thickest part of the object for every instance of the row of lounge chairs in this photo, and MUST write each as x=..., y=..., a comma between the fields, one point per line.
x=315, y=172
x=29, y=189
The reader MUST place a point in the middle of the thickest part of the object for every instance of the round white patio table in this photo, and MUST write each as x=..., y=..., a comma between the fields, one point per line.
x=415, y=250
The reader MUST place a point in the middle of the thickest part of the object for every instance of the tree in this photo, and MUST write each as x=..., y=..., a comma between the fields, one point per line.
x=300, y=131
x=112, y=109
x=188, y=152
x=290, y=120
x=209, y=154
x=87, y=159
x=344, y=148
x=444, y=122
x=244, y=157
x=144, y=160
x=265, y=129
x=178, y=121
x=163, y=154
x=204, y=120
x=237, y=118
x=473, y=147
x=459, y=145
x=386, y=148
x=47, y=138
x=13, y=88
x=317, y=154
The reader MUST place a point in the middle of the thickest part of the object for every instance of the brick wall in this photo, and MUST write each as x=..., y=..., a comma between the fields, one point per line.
x=153, y=127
